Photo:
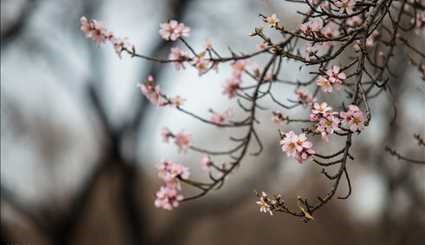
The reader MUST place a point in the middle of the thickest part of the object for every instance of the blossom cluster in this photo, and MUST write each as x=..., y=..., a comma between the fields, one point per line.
x=169, y=196
x=154, y=95
x=328, y=121
x=233, y=83
x=296, y=146
x=97, y=32
x=332, y=79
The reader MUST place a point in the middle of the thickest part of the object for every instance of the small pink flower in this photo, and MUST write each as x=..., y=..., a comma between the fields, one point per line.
x=354, y=118
x=354, y=21
x=178, y=57
x=345, y=5
x=296, y=146
x=173, y=30
x=304, y=98
x=201, y=64
x=312, y=27
x=330, y=31
x=324, y=84
x=120, y=45
x=336, y=76
x=305, y=154
x=327, y=125
x=220, y=118
x=289, y=144
x=85, y=25
x=319, y=110
x=169, y=171
x=272, y=20
x=166, y=135
x=239, y=68
x=206, y=162
x=231, y=87
x=167, y=198
x=333, y=79
x=183, y=141
x=310, y=52
x=152, y=92
x=94, y=30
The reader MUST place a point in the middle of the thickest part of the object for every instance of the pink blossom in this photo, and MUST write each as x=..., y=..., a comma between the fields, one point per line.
x=320, y=110
x=178, y=57
x=326, y=120
x=183, y=141
x=327, y=125
x=354, y=118
x=354, y=21
x=324, y=84
x=206, y=162
x=333, y=79
x=264, y=204
x=306, y=152
x=231, y=87
x=239, y=67
x=312, y=27
x=220, y=118
x=345, y=5
x=85, y=25
x=272, y=20
x=289, y=144
x=310, y=52
x=97, y=32
x=201, y=64
x=330, y=31
x=167, y=198
x=336, y=76
x=173, y=30
x=120, y=45
x=303, y=97
x=170, y=171
x=166, y=135
x=94, y=30
x=152, y=92
x=296, y=146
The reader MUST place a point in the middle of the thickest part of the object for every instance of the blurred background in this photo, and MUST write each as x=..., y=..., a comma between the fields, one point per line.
x=80, y=144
